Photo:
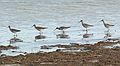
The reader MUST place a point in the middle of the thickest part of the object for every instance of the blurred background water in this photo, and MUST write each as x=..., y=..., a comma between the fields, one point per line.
x=22, y=14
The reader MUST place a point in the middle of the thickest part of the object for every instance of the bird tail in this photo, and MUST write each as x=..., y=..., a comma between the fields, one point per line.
x=112, y=25
x=91, y=25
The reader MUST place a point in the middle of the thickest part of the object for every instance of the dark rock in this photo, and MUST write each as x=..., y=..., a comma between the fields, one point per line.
x=58, y=50
x=45, y=47
x=3, y=55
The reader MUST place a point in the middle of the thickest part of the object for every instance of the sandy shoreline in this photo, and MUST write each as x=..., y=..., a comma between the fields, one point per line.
x=96, y=56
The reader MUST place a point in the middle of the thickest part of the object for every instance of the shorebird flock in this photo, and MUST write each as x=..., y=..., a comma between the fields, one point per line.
x=62, y=28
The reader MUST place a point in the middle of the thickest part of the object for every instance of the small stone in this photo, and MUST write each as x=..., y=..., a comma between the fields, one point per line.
x=3, y=55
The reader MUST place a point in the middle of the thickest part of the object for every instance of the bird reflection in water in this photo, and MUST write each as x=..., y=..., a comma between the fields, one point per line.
x=86, y=36
x=62, y=35
x=14, y=40
x=39, y=37
x=107, y=34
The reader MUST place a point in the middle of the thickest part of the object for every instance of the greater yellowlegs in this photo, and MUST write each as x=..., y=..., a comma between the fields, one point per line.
x=62, y=28
x=14, y=31
x=106, y=25
x=85, y=25
x=39, y=28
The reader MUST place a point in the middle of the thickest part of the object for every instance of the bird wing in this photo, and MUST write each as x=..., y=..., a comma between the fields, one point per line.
x=109, y=24
x=64, y=27
x=16, y=30
x=88, y=24
x=44, y=27
x=68, y=27
x=41, y=27
x=112, y=25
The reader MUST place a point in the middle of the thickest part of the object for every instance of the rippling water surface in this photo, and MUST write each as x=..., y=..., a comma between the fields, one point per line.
x=22, y=14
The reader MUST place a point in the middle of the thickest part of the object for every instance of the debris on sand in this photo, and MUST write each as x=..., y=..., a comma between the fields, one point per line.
x=97, y=56
x=8, y=47
x=45, y=47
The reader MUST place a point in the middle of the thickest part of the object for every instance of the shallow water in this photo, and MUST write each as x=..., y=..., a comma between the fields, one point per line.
x=22, y=14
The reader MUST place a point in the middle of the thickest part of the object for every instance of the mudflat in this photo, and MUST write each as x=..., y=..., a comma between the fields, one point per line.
x=97, y=55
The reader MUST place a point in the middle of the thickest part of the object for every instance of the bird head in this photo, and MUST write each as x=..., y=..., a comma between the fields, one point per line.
x=34, y=25
x=81, y=20
x=8, y=26
x=102, y=20
x=56, y=28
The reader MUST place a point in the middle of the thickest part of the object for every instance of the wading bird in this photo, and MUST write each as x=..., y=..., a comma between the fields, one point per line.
x=106, y=25
x=39, y=28
x=14, y=31
x=85, y=25
x=62, y=28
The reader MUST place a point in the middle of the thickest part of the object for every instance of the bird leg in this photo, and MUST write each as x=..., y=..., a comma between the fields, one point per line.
x=14, y=35
x=40, y=32
x=108, y=29
x=35, y=40
x=86, y=29
x=86, y=32
x=63, y=32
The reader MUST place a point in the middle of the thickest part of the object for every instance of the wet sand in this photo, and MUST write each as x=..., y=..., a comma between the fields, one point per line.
x=96, y=56
x=8, y=47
